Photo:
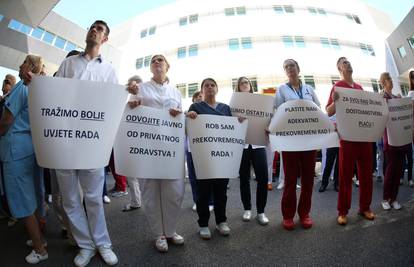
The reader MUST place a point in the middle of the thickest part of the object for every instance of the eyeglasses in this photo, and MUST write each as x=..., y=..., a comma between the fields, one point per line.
x=158, y=59
x=7, y=82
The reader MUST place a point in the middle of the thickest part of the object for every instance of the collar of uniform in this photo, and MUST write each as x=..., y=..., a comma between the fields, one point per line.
x=99, y=57
x=158, y=84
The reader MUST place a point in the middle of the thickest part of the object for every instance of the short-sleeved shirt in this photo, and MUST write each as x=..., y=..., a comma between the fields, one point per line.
x=17, y=141
x=286, y=93
x=204, y=108
x=344, y=85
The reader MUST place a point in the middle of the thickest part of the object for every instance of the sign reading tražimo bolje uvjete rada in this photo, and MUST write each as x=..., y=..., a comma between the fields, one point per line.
x=150, y=144
x=74, y=122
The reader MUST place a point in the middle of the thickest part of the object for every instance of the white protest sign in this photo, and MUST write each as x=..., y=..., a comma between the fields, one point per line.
x=216, y=144
x=150, y=144
x=299, y=125
x=74, y=122
x=400, y=123
x=258, y=109
x=361, y=116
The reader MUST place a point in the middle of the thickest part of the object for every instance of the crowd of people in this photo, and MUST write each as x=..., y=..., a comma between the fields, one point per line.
x=78, y=195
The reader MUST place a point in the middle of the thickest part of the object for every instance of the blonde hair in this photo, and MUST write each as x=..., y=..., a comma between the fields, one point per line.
x=36, y=63
x=384, y=76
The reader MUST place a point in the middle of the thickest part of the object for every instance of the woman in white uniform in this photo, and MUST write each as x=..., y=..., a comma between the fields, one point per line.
x=161, y=197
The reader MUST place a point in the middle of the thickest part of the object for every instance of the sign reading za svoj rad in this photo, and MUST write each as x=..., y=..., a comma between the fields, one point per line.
x=74, y=122
x=258, y=109
x=361, y=116
x=150, y=144
x=299, y=125
x=216, y=144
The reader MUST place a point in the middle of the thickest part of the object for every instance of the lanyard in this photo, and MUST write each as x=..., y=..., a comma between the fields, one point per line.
x=299, y=93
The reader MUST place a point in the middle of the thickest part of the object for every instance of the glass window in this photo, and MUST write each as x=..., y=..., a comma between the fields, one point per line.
x=151, y=30
x=309, y=80
x=48, y=37
x=357, y=20
x=193, y=50
x=401, y=51
x=325, y=42
x=364, y=48
x=246, y=42
x=349, y=16
x=70, y=46
x=241, y=10
x=321, y=11
x=411, y=41
x=193, y=18
x=183, y=21
x=253, y=81
x=147, y=61
x=14, y=24
x=335, y=79
x=335, y=44
x=312, y=10
x=143, y=33
x=289, y=9
x=181, y=52
x=139, y=63
x=234, y=44
x=278, y=9
x=182, y=87
x=300, y=42
x=288, y=41
x=375, y=85
x=371, y=50
x=60, y=42
x=404, y=89
x=37, y=33
x=229, y=11
x=192, y=88
x=25, y=29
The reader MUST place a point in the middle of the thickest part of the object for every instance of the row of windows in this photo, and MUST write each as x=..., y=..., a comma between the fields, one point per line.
x=192, y=51
x=401, y=49
x=241, y=10
x=237, y=43
x=43, y=35
x=330, y=43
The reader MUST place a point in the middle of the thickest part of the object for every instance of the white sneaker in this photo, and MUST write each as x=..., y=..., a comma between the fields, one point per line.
x=247, y=215
x=262, y=219
x=411, y=183
x=385, y=205
x=108, y=255
x=281, y=185
x=106, y=199
x=396, y=205
x=34, y=257
x=223, y=229
x=29, y=243
x=205, y=233
x=84, y=257
x=210, y=208
x=194, y=208
x=161, y=244
x=176, y=239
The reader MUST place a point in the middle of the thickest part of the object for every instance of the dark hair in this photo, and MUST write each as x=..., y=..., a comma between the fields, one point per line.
x=208, y=79
x=73, y=53
x=296, y=63
x=411, y=78
x=195, y=95
x=103, y=23
x=337, y=62
x=239, y=81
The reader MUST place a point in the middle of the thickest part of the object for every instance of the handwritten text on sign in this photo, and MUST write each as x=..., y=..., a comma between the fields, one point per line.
x=150, y=144
x=361, y=116
x=74, y=122
x=299, y=125
x=400, y=123
x=216, y=144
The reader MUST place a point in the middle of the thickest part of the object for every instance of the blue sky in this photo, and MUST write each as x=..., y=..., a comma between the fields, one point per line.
x=83, y=12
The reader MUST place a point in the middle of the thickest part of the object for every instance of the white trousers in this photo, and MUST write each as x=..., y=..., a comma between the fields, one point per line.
x=162, y=200
x=134, y=191
x=89, y=231
x=270, y=155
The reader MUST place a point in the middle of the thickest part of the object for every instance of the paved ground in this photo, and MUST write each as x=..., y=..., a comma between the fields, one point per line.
x=387, y=241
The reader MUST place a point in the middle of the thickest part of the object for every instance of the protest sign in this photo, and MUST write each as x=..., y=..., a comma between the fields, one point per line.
x=150, y=144
x=361, y=116
x=299, y=125
x=74, y=122
x=258, y=109
x=216, y=144
x=400, y=122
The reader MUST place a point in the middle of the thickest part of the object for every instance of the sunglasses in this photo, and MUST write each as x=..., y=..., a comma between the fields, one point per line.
x=159, y=60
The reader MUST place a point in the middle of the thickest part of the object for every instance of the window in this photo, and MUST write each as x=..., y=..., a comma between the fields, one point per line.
x=312, y=10
x=371, y=50
x=147, y=61
x=349, y=16
x=278, y=9
x=183, y=21
x=291, y=41
x=182, y=87
x=335, y=79
x=330, y=43
x=300, y=42
x=335, y=44
x=193, y=50
x=357, y=20
x=192, y=88
x=283, y=9
x=181, y=52
x=152, y=30
x=70, y=46
x=193, y=18
x=375, y=85
x=289, y=9
x=404, y=89
x=229, y=11
x=401, y=51
x=60, y=42
x=411, y=41
x=143, y=33
x=246, y=43
x=288, y=41
x=25, y=29
x=321, y=11
x=14, y=24
x=325, y=42
x=241, y=10
x=48, y=37
x=310, y=81
x=364, y=48
x=139, y=63
x=234, y=44
x=37, y=33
